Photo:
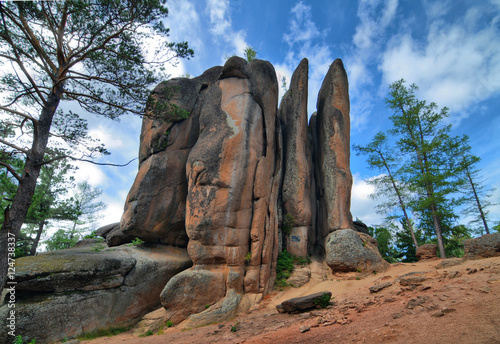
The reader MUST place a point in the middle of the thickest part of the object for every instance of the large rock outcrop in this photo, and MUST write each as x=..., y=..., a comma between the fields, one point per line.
x=485, y=246
x=298, y=190
x=347, y=250
x=233, y=176
x=155, y=209
x=70, y=292
x=225, y=174
x=331, y=135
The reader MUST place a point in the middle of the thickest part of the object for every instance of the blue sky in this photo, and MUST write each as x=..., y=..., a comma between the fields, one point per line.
x=450, y=49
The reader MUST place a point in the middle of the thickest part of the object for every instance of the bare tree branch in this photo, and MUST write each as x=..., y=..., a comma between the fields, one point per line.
x=7, y=143
x=11, y=170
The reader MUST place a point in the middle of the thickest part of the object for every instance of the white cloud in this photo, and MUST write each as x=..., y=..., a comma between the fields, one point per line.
x=102, y=133
x=92, y=173
x=374, y=21
x=375, y=16
x=222, y=28
x=113, y=212
x=304, y=39
x=362, y=206
x=302, y=28
x=219, y=16
x=457, y=66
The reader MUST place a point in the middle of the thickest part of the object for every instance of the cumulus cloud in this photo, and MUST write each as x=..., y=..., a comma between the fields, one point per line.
x=222, y=29
x=92, y=173
x=301, y=28
x=375, y=16
x=362, y=206
x=456, y=66
x=305, y=39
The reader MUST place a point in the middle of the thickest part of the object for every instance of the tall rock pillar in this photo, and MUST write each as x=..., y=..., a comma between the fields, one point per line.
x=233, y=174
x=298, y=206
x=331, y=130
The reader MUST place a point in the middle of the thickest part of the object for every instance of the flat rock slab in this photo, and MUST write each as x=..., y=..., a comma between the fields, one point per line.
x=299, y=304
x=378, y=287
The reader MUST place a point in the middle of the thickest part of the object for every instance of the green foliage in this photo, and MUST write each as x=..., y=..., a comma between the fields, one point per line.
x=250, y=54
x=423, y=169
x=160, y=105
x=287, y=223
x=248, y=257
x=169, y=323
x=102, y=55
x=104, y=333
x=235, y=327
x=147, y=334
x=98, y=247
x=81, y=209
x=285, y=265
x=385, y=240
x=323, y=301
x=136, y=242
x=61, y=240
x=91, y=235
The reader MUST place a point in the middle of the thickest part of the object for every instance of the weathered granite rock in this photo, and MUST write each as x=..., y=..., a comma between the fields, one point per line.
x=360, y=227
x=155, y=209
x=297, y=192
x=331, y=133
x=68, y=292
x=378, y=287
x=483, y=247
x=446, y=263
x=233, y=175
x=299, y=276
x=113, y=235
x=299, y=304
x=427, y=251
x=347, y=250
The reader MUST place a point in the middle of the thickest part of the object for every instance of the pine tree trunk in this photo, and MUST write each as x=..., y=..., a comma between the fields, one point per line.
x=439, y=233
x=481, y=213
x=34, y=246
x=26, y=188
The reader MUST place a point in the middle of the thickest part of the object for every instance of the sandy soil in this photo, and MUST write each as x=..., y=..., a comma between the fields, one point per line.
x=424, y=304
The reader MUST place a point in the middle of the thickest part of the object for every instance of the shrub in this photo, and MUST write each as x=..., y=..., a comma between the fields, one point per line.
x=323, y=301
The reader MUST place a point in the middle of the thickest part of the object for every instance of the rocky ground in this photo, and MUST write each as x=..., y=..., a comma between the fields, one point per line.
x=438, y=301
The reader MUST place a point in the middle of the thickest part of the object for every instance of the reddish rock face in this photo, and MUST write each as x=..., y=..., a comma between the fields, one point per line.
x=332, y=153
x=233, y=179
x=218, y=180
x=297, y=191
x=155, y=207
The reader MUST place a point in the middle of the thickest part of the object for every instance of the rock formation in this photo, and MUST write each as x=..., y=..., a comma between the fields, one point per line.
x=232, y=179
x=485, y=246
x=297, y=193
x=331, y=135
x=70, y=292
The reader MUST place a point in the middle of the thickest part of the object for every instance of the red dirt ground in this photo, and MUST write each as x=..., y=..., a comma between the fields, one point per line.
x=454, y=304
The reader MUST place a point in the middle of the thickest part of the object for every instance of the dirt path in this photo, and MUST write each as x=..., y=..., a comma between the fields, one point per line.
x=455, y=304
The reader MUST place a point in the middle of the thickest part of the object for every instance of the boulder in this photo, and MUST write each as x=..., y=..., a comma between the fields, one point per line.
x=155, y=209
x=483, y=247
x=427, y=251
x=113, y=235
x=81, y=290
x=360, y=227
x=347, y=250
x=299, y=276
x=297, y=192
x=378, y=287
x=331, y=133
x=303, y=303
x=233, y=175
